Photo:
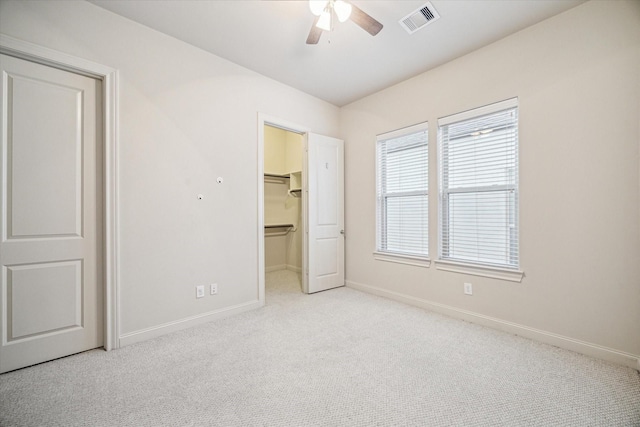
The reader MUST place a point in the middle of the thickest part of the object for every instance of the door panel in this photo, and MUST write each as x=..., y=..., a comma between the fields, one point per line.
x=328, y=262
x=30, y=290
x=35, y=183
x=325, y=198
x=51, y=294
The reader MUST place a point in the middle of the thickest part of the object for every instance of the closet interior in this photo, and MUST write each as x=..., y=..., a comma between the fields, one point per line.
x=282, y=199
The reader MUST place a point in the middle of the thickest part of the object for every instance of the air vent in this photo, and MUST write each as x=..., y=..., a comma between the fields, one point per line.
x=419, y=18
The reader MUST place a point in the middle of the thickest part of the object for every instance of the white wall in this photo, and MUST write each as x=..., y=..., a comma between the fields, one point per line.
x=576, y=77
x=186, y=117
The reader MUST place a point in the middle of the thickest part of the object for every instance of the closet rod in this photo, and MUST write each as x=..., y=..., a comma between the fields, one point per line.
x=278, y=229
x=275, y=175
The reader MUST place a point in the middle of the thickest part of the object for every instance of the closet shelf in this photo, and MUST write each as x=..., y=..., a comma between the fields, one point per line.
x=296, y=192
x=295, y=181
x=273, y=178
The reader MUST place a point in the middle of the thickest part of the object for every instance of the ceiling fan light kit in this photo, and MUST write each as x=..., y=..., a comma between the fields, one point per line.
x=342, y=9
x=326, y=10
x=317, y=6
x=324, y=21
x=323, y=8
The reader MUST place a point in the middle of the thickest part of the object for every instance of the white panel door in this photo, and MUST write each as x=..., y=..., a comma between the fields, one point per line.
x=325, y=210
x=51, y=197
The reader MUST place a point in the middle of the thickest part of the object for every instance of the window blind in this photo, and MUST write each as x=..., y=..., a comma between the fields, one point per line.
x=402, y=191
x=479, y=186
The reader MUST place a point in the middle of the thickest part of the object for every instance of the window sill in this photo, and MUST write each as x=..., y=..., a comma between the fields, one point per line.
x=402, y=259
x=480, y=270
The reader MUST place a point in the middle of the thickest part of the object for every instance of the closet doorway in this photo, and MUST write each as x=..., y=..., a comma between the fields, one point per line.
x=283, y=226
x=300, y=205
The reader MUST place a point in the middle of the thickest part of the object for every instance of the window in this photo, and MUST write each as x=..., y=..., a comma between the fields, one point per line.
x=402, y=192
x=479, y=186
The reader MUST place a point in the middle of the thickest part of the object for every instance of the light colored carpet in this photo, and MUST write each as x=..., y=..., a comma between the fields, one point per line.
x=337, y=358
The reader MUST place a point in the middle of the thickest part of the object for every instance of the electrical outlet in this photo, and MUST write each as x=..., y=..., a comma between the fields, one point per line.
x=468, y=289
x=214, y=288
x=200, y=291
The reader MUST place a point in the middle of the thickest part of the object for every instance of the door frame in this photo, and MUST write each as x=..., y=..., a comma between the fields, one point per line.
x=109, y=77
x=264, y=119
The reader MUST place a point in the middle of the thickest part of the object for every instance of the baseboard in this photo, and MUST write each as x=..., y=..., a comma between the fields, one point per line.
x=156, y=331
x=294, y=268
x=283, y=267
x=275, y=268
x=586, y=348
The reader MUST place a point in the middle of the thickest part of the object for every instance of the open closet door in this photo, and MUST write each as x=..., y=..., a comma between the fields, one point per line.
x=325, y=207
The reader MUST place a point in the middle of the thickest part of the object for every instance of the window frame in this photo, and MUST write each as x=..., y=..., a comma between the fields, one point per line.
x=477, y=267
x=381, y=253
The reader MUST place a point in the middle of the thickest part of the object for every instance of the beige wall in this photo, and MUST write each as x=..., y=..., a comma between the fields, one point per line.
x=275, y=151
x=295, y=144
x=276, y=212
x=576, y=76
x=186, y=117
x=282, y=251
x=282, y=155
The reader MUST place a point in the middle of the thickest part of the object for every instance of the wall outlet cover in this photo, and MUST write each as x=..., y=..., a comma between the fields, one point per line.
x=468, y=289
x=214, y=288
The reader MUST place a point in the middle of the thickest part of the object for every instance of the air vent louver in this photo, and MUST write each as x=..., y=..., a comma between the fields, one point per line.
x=419, y=18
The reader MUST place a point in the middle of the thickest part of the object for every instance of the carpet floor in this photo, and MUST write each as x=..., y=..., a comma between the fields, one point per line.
x=336, y=358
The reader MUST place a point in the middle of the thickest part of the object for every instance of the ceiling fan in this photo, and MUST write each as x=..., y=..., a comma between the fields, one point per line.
x=327, y=11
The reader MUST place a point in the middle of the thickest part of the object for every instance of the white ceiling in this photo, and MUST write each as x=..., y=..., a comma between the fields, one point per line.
x=348, y=63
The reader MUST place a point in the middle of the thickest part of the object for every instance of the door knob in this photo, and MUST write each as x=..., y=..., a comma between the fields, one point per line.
x=342, y=232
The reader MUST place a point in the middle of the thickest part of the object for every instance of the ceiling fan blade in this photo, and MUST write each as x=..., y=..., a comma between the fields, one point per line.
x=314, y=33
x=364, y=20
